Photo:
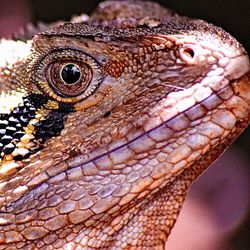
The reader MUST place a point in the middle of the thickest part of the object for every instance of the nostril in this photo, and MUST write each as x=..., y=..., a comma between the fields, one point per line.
x=189, y=52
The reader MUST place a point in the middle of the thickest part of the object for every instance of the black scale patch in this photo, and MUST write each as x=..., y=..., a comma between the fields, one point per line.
x=12, y=125
x=54, y=123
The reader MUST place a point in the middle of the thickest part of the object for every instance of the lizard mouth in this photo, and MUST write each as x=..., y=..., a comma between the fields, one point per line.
x=181, y=131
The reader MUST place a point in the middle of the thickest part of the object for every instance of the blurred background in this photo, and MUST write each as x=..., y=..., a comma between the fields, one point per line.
x=216, y=214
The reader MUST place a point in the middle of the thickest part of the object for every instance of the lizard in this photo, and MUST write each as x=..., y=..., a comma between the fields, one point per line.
x=106, y=120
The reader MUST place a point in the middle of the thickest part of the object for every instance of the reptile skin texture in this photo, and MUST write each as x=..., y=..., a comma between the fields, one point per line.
x=107, y=120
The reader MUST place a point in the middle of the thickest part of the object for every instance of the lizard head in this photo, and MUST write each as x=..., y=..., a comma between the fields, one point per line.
x=117, y=120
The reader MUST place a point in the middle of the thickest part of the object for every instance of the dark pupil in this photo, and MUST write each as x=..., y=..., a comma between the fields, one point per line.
x=71, y=74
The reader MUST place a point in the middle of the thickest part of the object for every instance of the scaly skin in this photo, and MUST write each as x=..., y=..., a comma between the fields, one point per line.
x=105, y=163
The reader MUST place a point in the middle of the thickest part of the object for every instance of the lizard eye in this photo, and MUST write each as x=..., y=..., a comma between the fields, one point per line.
x=67, y=75
x=69, y=79
x=70, y=73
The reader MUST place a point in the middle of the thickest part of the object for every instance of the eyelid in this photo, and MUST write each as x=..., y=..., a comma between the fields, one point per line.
x=40, y=67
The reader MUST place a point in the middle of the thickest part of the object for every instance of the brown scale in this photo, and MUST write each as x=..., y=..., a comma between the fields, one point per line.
x=114, y=68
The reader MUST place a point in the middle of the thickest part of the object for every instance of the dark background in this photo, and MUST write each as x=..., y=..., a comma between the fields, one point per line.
x=232, y=172
x=233, y=16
